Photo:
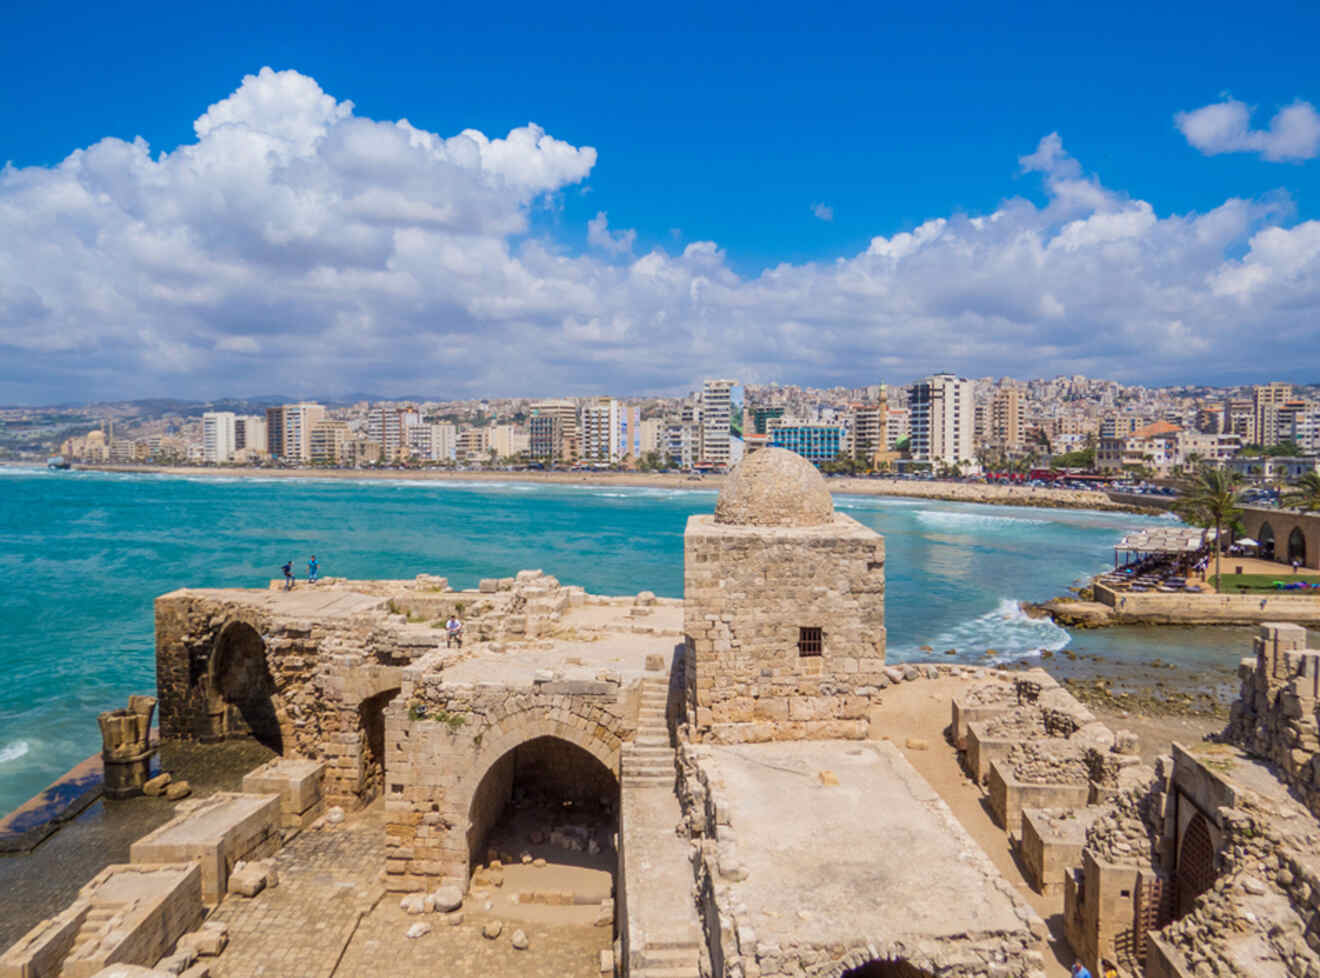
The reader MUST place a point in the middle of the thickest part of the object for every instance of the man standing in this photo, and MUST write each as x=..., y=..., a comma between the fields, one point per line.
x=312, y=570
x=288, y=575
x=1080, y=970
x=453, y=632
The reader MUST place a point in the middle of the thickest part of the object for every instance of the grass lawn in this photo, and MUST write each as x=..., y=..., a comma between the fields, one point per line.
x=1259, y=583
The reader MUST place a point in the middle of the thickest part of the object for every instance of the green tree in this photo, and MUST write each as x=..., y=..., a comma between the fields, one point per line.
x=1211, y=498
x=1305, y=495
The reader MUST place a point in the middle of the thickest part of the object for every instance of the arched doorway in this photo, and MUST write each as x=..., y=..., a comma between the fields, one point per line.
x=887, y=969
x=1297, y=546
x=1266, y=541
x=241, y=688
x=1196, y=863
x=551, y=800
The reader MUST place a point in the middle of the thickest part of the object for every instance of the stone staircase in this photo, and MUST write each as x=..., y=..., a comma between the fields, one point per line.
x=649, y=759
x=95, y=925
x=668, y=959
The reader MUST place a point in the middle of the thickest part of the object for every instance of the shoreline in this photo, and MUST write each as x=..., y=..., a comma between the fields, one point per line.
x=960, y=492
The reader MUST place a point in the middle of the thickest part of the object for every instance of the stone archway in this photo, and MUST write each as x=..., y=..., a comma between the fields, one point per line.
x=887, y=969
x=1196, y=864
x=1297, y=546
x=555, y=801
x=1266, y=540
x=241, y=690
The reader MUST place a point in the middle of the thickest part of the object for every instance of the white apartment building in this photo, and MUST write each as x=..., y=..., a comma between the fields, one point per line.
x=716, y=416
x=433, y=442
x=250, y=434
x=600, y=423
x=943, y=418
x=218, y=437
x=298, y=421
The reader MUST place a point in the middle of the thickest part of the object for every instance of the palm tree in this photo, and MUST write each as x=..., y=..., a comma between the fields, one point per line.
x=1306, y=494
x=1211, y=498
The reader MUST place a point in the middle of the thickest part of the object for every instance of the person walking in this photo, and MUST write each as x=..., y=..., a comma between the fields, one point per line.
x=288, y=575
x=453, y=632
x=1080, y=970
x=313, y=569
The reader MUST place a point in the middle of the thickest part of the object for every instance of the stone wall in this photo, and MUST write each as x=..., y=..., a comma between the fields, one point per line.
x=748, y=592
x=1209, y=609
x=1276, y=714
x=450, y=760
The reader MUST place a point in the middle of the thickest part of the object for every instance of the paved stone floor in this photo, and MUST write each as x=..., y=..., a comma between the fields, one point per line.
x=328, y=878
x=329, y=916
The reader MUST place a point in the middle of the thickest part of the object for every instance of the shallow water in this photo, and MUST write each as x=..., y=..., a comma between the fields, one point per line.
x=82, y=555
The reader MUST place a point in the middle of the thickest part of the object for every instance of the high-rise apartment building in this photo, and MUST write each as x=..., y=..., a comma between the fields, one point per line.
x=650, y=435
x=600, y=423
x=473, y=446
x=250, y=434
x=298, y=421
x=867, y=424
x=218, y=437
x=509, y=441
x=432, y=442
x=1240, y=418
x=328, y=442
x=716, y=419
x=387, y=426
x=943, y=417
x=275, y=432
x=1266, y=400
x=553, y=430
x=1006, y=418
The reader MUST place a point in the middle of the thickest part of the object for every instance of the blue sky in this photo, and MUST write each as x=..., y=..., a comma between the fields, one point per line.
x=725, y=126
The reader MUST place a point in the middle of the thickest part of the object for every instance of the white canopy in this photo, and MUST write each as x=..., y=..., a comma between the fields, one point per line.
x=1168, y=540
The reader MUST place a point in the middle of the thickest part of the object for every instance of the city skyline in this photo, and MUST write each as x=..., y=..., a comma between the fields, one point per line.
x=320, y=229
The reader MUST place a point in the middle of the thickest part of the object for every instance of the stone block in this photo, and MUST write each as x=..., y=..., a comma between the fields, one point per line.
x=247, y=880
x=156, y=786
x=218, y=832
x=298, y=784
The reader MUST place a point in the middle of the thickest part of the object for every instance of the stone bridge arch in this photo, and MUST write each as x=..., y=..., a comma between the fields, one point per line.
x=1265, y=539
x=1297, y=546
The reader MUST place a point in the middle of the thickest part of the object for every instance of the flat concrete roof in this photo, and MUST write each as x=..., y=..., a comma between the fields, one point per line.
x=879, y=856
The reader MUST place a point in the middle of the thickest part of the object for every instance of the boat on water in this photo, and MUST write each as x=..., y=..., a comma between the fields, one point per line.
x=57, y=462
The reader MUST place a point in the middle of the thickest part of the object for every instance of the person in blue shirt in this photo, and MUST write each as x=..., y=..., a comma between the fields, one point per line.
x=1080, y=970
x=288, y=575
x=312, y=570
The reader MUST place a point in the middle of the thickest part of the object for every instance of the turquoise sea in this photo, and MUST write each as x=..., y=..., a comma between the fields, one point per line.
x=83, y=554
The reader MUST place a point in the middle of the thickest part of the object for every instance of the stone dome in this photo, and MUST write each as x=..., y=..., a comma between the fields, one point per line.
x=774, y=487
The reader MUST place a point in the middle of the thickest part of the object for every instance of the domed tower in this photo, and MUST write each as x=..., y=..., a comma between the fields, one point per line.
x=783, y=607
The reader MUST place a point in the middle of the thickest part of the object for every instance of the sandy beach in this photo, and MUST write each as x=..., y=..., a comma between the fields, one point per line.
x=962, y=492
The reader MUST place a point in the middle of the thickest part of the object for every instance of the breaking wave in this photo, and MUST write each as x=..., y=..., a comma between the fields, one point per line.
x=1008, y=630
x=944, y=520
x=12, y=752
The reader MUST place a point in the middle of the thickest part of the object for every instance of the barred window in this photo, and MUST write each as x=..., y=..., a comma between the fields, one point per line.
x=809, y=641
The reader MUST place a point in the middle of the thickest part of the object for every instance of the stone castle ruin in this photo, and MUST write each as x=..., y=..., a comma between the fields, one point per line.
x=714, y=758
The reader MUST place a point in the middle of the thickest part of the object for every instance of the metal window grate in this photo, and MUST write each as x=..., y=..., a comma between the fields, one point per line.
x=809, y=641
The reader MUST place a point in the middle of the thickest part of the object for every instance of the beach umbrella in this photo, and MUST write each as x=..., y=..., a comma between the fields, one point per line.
x=1248, y=542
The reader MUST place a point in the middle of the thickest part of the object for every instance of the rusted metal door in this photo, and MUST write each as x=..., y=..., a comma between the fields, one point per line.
x=1196, y=863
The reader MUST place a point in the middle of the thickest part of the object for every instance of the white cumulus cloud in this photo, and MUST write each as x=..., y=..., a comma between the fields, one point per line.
x=298, y=248
x=1225, y=127
x=823, y=211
